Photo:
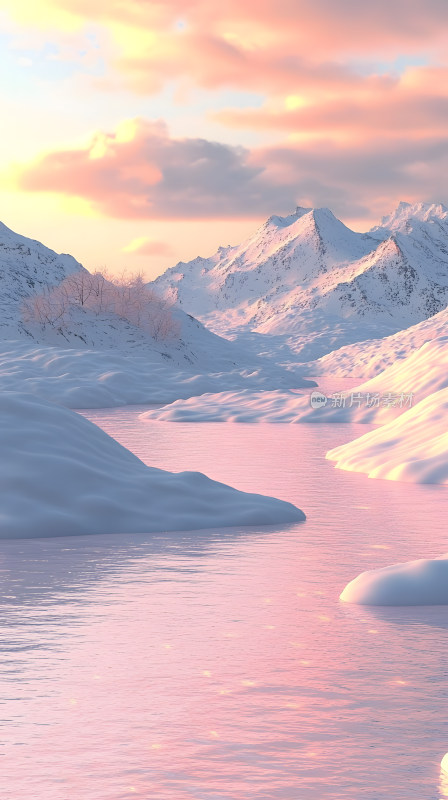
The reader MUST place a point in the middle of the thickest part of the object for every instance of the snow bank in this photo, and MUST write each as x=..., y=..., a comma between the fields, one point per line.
x=60, y=475
x=396, y=389
x=245, y=406
x=414, y=583
x=366, y=359
x=413, y=448
x=98, y=379
x=407, y=382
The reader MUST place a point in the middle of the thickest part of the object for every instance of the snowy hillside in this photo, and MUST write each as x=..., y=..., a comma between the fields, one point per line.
x=28, y=268
x=307, y=274
x=376, y=401
x=391, y=392
x=367, y=359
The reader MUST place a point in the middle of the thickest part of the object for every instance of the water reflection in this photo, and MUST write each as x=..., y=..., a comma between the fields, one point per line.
x=443, y=784
x=409, y=616
x=221, y=665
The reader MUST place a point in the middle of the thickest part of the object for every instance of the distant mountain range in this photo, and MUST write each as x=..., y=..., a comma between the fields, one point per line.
x=306, y=279
x=309, y=276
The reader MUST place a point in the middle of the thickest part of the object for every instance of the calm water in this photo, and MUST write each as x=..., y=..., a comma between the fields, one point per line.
x=220, y=665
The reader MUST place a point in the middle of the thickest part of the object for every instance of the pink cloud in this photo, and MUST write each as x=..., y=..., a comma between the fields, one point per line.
x=270, y=46
x=416, y=106
x=277, y=47
x=212, y=62
x=347, y=25
x=148, y=247
x=154, y=176
x=182, y=179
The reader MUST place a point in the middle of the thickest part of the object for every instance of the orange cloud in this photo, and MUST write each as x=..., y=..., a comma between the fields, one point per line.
x=347, y=25
x=142, y=246
x=110, y=172
x=414, y=107
x=265, y=45
x=141, y=172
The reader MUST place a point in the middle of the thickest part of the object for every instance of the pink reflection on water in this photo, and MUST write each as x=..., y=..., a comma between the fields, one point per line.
x=220, y=664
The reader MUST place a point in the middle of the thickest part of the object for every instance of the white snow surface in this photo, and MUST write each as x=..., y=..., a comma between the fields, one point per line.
x=397, y=388
x=310, y=276
x=366, y=359
x=414, y=583
x=27, y=267
x=245, y=406
x=412, y=448
x=82, y=378
x=150, y=368
x=61, y=476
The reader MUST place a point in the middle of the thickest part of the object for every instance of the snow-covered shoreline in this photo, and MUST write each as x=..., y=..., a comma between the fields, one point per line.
x=63, y=476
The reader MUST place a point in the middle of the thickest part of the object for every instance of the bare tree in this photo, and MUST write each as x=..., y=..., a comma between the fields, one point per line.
x=126, y=296
x=50, y=307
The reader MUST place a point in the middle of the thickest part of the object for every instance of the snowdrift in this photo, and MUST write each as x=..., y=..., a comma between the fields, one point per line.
x=414, y=583
x=399, y=387
x=368, y=358
x=413, y=448
x=396, y=389
x=245, y=406
x=61, y=475
x=82, y=378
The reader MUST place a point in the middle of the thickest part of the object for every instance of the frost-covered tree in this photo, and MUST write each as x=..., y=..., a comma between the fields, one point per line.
x=126, y=296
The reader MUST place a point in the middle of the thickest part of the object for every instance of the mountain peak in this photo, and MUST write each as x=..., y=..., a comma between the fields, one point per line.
x=278, y=221
x=406, y=213
x=317, y=215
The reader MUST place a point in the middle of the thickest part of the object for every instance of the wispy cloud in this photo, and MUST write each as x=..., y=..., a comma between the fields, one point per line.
x=143, y=246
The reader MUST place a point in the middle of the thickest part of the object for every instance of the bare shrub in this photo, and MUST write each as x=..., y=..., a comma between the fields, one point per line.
x=50, y=307
x=126, y=296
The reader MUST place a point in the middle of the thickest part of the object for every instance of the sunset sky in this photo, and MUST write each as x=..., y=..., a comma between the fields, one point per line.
x=137, y=133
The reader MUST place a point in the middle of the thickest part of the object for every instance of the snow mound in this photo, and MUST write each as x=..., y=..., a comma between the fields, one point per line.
x=397, y=388
x=413, y=448
x=366, y=359
x=98, y=379
x=61, y=476
x=245, y=406
x=378, y=401
x=414, y=583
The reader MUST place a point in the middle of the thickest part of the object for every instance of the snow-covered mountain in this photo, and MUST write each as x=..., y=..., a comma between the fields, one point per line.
x=100, y=357
x=27, y=267
x=308, y=275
